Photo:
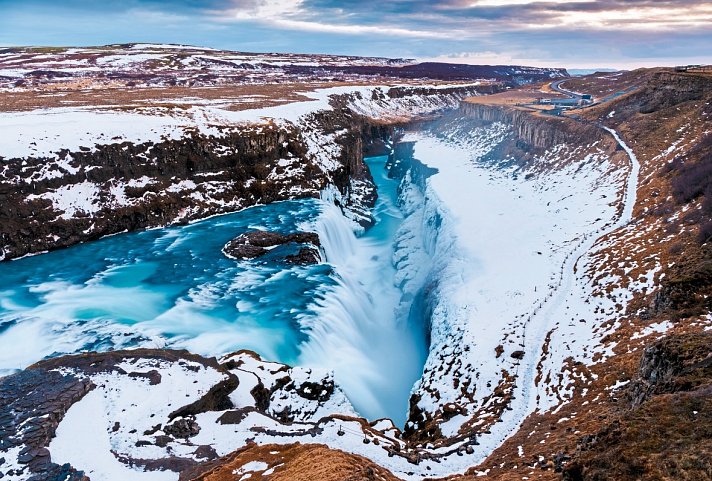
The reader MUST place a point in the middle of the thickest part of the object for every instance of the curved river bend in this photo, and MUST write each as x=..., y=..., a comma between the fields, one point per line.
x=173, y=287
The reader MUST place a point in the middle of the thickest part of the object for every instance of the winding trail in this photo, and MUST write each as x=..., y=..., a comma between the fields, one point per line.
x=543, y=317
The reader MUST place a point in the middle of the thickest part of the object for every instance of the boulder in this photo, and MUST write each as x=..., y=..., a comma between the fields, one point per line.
x=255, y=244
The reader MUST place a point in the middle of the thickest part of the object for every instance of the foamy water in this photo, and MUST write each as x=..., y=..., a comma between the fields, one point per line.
x=173, y=287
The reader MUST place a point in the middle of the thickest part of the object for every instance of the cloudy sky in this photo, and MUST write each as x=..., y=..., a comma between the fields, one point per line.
x=574, y=34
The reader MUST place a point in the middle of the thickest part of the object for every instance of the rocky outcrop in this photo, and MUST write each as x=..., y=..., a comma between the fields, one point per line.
x=255, y=244
x=535, y=132
x=35, y=401
x=32, y=404
x=673, y=364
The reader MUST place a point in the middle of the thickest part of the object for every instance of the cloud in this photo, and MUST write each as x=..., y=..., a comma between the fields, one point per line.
x=466, y=19
x=547, y=32
x=297, y=15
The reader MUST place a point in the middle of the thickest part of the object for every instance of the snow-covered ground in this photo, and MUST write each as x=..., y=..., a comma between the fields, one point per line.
x=509, y=266
x=45, y=132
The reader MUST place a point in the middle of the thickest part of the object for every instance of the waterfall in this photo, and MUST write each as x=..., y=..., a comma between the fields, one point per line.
x=356, y=326
x=338, y=240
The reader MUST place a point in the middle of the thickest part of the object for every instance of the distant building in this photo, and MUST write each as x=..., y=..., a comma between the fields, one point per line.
x=567, y=103
x=694, y=68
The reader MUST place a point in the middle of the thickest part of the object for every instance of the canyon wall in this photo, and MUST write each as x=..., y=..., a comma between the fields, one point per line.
x=535, y=131
x=70, y=195
x=568, y=177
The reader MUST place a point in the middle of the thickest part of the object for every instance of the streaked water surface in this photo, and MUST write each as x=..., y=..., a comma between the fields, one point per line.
x=173, y=287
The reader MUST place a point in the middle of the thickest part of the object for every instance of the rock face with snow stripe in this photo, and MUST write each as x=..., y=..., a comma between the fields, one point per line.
x=195, y=164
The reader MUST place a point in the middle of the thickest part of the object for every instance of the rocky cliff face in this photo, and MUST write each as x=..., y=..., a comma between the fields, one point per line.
x=666, y=89
x=124, y=186
x=72, y=196
x=534, y=132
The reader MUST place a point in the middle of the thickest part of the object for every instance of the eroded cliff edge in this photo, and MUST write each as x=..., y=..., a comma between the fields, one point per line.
x=201, y=167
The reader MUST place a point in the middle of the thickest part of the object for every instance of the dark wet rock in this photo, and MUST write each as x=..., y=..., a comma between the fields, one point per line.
x=183, y=428
x=306, y=256
x=205, y=452
x=243, y=251
x=216, y=399
x=261, y=395
x=252, y=245
x=235, y=416
x=269, y=239
x=154, y=377
x=316, y=391
x=162, y=441
x=517, y=355
x=37, y=400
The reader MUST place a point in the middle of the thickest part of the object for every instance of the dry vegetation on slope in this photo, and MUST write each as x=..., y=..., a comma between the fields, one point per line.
x=292, y=462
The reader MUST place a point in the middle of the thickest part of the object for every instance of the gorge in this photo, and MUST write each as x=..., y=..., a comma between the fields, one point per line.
x=488, y=279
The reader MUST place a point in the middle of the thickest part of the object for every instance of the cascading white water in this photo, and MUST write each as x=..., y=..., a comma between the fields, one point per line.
x=357, y=329
x=336, y=233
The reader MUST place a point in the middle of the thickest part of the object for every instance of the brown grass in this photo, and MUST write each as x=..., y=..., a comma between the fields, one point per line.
x=293, y=462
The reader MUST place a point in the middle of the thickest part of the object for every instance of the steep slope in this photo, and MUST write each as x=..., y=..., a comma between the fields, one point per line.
x=653, y=270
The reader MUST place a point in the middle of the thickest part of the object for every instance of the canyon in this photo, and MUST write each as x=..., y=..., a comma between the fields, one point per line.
x=499, y=293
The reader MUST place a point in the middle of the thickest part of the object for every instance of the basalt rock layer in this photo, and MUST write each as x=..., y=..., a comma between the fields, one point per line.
x=71, y=196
